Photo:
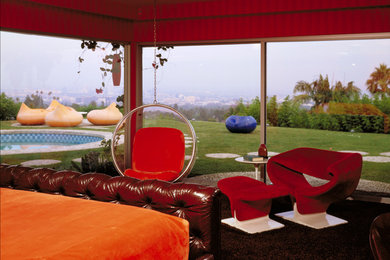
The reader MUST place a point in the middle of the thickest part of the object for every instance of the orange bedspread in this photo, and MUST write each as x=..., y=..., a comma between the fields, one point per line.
x=43, y=226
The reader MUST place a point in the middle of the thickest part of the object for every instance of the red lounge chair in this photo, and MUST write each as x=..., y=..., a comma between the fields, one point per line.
x=158, y=153
x=250, y=203
x=340, y=170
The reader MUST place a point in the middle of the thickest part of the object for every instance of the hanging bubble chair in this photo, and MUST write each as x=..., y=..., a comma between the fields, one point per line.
x=160, y=143
x=163, y=144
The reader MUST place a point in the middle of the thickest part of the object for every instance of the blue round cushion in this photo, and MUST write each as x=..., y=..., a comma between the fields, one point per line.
x=240, y=124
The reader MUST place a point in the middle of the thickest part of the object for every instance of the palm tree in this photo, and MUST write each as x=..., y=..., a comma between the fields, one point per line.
x=351, y=89
x=319, y=91
x=379, y=80
x=342, y=93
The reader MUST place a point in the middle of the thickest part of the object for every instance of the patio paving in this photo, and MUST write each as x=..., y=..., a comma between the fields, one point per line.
x=78, y=160
x=222, y=155
x=362, y=153
x=377, y=159
x=40, y=162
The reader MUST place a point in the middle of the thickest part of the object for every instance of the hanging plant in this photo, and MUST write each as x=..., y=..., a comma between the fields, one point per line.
x=111, y=61
x=161, y=59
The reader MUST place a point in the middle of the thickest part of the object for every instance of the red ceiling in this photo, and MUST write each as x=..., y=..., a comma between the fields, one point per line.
x=195, y=20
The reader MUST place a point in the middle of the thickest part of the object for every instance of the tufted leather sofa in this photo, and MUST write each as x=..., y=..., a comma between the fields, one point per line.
x=200, y=205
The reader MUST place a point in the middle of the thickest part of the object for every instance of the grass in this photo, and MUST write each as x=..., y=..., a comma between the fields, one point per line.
x=65, y=157
x=215, y=138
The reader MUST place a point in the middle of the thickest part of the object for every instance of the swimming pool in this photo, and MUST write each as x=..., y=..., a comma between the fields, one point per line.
x=16, y=141
x=39, y=140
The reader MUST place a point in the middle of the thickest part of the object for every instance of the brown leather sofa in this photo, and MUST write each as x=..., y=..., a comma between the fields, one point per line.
x=200, y=205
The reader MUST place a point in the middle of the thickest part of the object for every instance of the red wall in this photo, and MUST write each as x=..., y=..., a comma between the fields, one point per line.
x=224, y=20
x=197, y=21
x=28, y=16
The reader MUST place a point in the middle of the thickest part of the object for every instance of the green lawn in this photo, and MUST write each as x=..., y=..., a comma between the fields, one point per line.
x=215, y=138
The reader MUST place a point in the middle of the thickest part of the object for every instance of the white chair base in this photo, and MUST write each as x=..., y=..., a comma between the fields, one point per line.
x=252, y=226
x=316, y=220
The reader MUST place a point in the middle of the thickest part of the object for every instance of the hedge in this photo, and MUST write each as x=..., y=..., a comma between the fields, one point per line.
x=356, y=123
x=356, y=109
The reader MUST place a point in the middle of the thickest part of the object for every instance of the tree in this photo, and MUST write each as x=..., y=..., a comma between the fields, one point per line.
x=34, y=100
x=272, y=111
x=379, y=80
x=239, y=110
x=284, y=113
x=344, y=94
x=254, y=109
x=319, y=91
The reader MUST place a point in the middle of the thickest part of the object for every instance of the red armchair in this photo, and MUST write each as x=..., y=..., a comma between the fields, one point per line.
x=158, y=153
x=341, y=172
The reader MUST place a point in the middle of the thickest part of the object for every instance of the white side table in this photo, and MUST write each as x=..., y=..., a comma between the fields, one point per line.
x=256, y=165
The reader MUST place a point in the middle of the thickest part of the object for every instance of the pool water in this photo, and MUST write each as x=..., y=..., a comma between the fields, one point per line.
x=28, y=141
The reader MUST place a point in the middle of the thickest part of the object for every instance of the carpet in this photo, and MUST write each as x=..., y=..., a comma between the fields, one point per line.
x=348, y=241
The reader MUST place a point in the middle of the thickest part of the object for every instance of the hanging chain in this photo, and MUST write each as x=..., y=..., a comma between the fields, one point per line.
x=155, y=51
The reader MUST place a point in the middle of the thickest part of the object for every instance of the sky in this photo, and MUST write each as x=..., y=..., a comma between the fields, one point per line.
x=30, y=63
x=235, y=69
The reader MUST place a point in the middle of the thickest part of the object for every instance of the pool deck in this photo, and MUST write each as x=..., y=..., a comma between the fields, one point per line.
x=58, y=148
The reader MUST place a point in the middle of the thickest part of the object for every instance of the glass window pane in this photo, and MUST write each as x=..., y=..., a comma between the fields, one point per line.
x=41, y=71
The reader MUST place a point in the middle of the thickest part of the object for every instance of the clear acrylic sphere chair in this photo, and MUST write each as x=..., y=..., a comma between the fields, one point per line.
x=161, y=145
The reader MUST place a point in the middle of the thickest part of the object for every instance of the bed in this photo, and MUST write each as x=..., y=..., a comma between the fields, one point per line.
x=46, y=225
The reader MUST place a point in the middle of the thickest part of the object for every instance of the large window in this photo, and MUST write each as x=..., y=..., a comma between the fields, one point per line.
x=337, y=111
x=322, y=94
x=39, y=70
x=331, y=95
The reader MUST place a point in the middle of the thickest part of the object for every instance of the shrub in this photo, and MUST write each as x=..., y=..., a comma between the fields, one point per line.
x=252, y=109
x=95, y=162
x=347, y=123
x=382, y=102
x=8, y=108
x=298, y=117
x=87, y=108
x=355, y=111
